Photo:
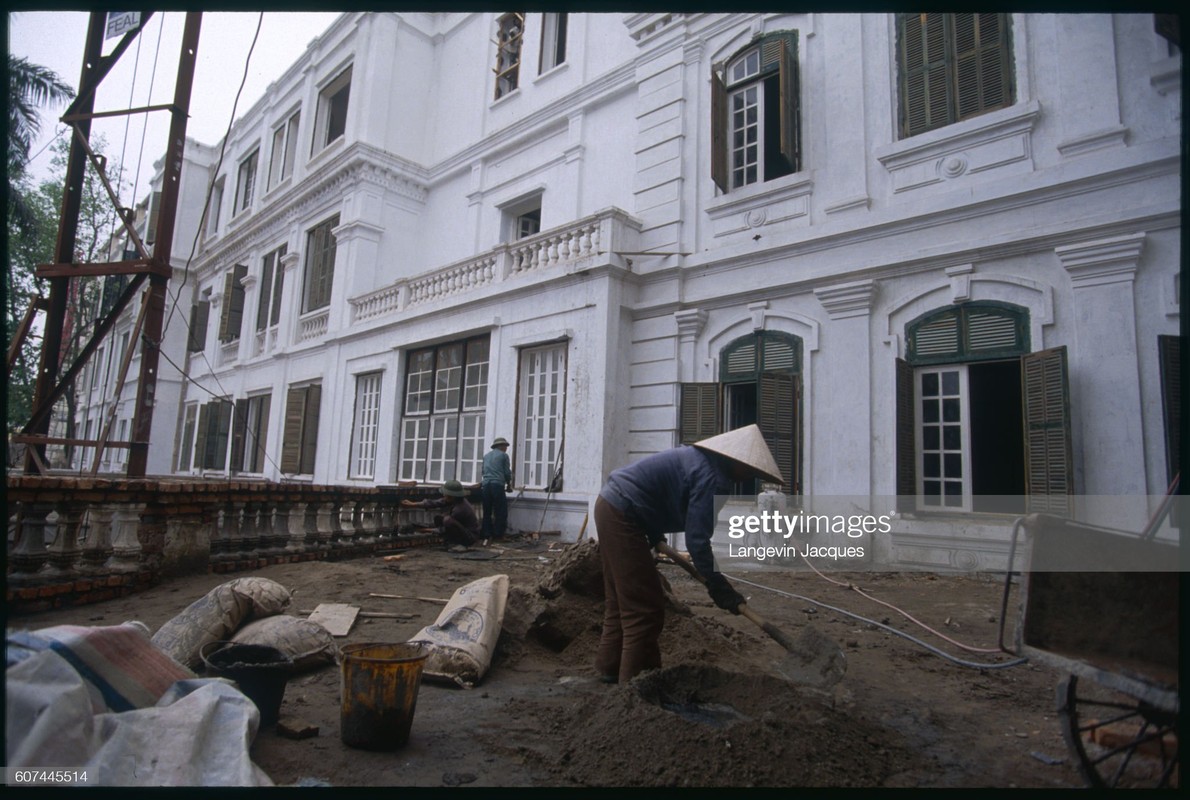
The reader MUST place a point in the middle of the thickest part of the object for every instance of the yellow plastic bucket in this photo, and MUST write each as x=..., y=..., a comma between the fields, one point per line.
x=379, y=694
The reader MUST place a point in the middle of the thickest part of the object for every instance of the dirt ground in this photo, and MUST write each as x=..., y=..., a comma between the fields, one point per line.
x=716, y=714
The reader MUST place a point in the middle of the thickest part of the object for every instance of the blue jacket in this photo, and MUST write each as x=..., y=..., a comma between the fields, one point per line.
x=673, y=491
x=496, y=467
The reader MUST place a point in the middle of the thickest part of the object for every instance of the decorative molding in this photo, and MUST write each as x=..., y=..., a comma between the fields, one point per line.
x=1114, y=136
x=752, y=207
x=757, y=310
x=986, y=142
x=1166, y=76
x=642, y=27
x=847, y=300
x=690, y=322
x=862, y=202
x=1102, y=262
x=960, y=282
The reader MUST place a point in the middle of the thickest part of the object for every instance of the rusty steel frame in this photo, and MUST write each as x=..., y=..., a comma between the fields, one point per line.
x=155, y=269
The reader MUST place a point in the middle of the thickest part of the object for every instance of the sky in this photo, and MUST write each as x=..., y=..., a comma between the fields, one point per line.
x=55, y=39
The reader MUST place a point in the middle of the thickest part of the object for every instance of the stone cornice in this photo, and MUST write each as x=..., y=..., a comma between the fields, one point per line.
x=845, y=300
x=1102, y=262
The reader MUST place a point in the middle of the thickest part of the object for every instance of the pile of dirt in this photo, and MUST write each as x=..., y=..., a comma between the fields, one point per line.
x=728, y=729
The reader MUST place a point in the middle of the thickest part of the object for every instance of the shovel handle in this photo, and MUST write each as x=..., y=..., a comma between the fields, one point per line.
x=772, y=630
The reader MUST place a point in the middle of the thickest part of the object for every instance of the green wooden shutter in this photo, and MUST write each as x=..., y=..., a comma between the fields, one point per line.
x=310, y=428
x=223, y=408
x=789, y=90
x=225, y=311
x=906, y=438
x=925, y=87
x=981, y=63
x=235, y=317
x=200, y=439
x=1170, y=357
x=266, y=288
x=291, y=434
x=698, y=412
x=776, y=416
x=1049, y=476
x=260, y=435
x=278, y=285
x=719, y=146
x=238, y=430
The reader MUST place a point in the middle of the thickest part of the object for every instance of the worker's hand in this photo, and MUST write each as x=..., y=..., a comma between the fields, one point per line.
x=408, y=504
x=724, y=595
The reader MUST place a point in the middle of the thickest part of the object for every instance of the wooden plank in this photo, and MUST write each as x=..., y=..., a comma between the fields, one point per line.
x=337, y=618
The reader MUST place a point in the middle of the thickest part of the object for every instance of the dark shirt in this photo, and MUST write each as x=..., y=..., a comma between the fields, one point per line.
x=462, y=513
x=673, y=491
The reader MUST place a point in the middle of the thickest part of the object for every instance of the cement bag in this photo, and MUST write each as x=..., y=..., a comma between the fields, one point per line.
x=309, y=644
x=217, y=614
x=461, y=642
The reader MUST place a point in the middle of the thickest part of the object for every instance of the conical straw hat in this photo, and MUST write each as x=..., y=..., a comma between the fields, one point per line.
x=745, y=445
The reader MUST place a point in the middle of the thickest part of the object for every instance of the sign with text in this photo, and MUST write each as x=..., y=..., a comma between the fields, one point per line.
x=121, y=22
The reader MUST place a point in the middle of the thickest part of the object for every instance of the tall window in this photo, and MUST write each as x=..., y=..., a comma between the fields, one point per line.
x=272, y=281
x=232, y=315
x=199, y=315
x=330, y=120
x=443, y=425
x=543, y=405
x=979, y=417
x=283, y=151
x=246, y=181
x=214, y=426
x=320, y=265
x=511, y=28
x=187, y=442
x=951, y=67
x=250, y=433
x=366, y=425
x=553, y=41
x=299, y=438
x=754, y=111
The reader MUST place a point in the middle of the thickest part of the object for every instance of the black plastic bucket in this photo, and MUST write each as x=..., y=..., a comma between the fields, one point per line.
x=260, y=671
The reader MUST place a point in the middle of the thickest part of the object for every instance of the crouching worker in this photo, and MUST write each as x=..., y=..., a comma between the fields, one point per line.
x=459, y=525
x=665, y=493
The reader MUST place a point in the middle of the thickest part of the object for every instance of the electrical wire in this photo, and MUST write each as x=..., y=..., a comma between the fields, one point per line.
x=889, y=628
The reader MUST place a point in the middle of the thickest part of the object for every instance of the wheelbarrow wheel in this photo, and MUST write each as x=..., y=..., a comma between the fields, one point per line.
x=1118, y=741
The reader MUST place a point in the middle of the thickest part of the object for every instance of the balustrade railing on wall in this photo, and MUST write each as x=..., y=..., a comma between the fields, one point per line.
x=75, y=540
x=584, y=240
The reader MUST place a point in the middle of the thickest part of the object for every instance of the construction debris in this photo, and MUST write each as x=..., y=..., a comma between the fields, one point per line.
x=335, y=617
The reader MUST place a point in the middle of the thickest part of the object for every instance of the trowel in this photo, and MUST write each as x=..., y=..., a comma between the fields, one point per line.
x=814, y=660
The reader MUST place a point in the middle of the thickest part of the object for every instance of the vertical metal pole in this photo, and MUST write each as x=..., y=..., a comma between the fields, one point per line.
x=51, y=349
x=146, y=388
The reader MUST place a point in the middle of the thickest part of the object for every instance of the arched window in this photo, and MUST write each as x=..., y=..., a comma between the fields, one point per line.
x=968, y=332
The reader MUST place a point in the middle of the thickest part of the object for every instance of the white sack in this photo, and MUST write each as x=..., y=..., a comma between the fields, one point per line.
x=309, y=644
x=461, y=641
x=214, y=616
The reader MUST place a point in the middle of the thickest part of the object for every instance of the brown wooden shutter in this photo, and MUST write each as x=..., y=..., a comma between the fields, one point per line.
x=291, y=434
x=776, y=417
x=698, y=412
x=1048, y=461
x=906, y=443
x=200, y=439
x=238, y=429
x=925, y=89
x=789, y=91
x=1169, y=350
x=261, y=434
x=232, y=315
x=719, y=147
x=225, y=311
x=278, y=285
x=199, y=313
x=310, y=428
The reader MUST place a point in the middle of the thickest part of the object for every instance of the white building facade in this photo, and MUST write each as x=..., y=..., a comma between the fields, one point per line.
x=932, y=255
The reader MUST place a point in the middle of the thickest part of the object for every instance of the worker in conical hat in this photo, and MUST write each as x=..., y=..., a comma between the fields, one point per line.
x=667, y=492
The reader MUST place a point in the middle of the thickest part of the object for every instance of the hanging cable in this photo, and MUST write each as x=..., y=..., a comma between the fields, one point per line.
x=145, y=125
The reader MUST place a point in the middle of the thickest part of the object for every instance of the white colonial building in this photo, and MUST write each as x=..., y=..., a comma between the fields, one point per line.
x=932, y=255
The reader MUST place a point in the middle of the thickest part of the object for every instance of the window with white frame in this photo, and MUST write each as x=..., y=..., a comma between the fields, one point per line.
x=283, y=150
x=510, y=30
x=320, y=265
x=330, y=119
x=522, y=219
x=444, y=417
x=246, y=181
x=366, y=424
x=754, y=114
x=542, y=404
x=272, y=282
x=187, y=442
x=232, y=314
x=553, y=41
x=250, y=433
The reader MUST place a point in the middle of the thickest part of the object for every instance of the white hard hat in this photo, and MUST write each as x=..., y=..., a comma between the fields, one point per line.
x=747, y=446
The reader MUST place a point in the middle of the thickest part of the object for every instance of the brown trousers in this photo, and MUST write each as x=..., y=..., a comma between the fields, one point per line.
x=634, y=602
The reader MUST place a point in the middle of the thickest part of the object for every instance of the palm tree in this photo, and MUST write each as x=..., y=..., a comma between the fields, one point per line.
x=30, y=87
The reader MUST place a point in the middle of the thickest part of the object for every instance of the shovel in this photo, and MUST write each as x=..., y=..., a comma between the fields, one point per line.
x=814, y=660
